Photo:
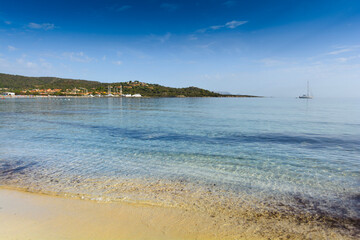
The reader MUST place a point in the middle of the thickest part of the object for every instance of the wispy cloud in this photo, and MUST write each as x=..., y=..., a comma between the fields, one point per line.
x=78, y=57
x=169, y=6
x=45, y=64
x=346, y=59
x=123, y=8
x=161, y=38
x=25, y=65
x=234, y=24
x=270, y=62
x=43, y=26
x=336, y=52
x=24, y=62
x=7, y=22
x=117, y=8
x=117, y=62
x=206, y=46
x=11, y=48
x=4, y=63
x=230, y=3
x=231, y=25
x=340, y=50
x=193, y=37
x=165, y=38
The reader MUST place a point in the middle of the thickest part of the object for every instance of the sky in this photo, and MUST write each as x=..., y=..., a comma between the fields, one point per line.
x=259, y=47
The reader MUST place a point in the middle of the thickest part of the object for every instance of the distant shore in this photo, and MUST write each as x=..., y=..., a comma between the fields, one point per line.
x=51, y=96
x=19, y=85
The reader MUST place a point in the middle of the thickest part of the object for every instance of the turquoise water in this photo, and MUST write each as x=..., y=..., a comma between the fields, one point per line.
x=287, y=151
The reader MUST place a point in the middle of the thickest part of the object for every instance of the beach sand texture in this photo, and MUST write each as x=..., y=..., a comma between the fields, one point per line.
x=26, y=215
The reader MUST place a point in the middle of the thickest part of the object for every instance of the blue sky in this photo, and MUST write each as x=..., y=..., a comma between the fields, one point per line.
x=268, y=48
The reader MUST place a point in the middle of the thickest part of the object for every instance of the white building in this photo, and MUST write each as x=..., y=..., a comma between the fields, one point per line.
x=8, y=94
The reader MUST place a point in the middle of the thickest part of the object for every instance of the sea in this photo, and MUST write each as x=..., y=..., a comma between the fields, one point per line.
x=276, y=156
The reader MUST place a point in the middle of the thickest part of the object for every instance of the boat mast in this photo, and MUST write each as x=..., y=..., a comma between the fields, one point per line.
x=308, y=89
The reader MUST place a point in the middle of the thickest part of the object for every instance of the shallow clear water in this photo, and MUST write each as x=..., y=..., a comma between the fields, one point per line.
x=266, y=148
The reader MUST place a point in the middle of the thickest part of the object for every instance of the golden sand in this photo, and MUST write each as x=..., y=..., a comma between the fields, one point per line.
x=35, y=216
x=26, y=215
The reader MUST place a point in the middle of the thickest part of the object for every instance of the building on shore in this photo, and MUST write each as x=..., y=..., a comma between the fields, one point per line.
x=10, y=94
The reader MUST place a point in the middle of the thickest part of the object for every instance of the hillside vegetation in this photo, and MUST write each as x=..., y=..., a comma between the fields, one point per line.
x=62, y=86
x=17, y=82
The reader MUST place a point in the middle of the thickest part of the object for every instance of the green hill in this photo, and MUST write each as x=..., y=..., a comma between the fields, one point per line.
x=22, y=84
x=17, y=82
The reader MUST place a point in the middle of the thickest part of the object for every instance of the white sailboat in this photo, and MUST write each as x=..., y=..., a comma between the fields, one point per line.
x=307, y=95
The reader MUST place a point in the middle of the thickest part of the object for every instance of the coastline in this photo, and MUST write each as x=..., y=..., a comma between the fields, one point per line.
x=115, y=96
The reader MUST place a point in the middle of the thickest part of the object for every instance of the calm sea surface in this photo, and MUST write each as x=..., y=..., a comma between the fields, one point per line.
x=265, y=148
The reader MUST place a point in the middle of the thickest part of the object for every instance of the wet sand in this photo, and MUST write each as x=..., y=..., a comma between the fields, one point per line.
x=36, y=216
x=25, y=215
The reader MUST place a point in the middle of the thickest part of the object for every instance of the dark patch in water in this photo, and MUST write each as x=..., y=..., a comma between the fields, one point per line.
x=17, y=167
x=356, y=198
x=308, y=140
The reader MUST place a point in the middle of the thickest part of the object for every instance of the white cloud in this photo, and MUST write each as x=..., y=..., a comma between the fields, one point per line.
x=165, y=38
x=4, y=64
x=336, y=52
x=160, y=38
x=78, y=57
x=206, y=46
x=31, y=65
x=345, y=59
x=234, y=24
x=117, y=62
x=216, y=27
x=26, y=63
x=270, y=62
x=45, y=64
x=7, y=22
x=118, y=8
x=231, y=25
x=12, y=48
x=193, y=37
x=169, y=6
x=344, y=49
x=20, y=60
x=230, y=3
x=123, y=8
x=43, y=26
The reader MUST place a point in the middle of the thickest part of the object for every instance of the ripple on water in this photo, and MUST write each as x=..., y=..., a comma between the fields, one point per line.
x=277, y=163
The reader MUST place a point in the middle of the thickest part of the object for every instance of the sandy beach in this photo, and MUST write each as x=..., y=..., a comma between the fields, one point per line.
x=25, y=215
x=180, y=120
x=36, y=216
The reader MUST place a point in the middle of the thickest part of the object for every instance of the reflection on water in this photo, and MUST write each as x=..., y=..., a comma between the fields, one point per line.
x=273, y=156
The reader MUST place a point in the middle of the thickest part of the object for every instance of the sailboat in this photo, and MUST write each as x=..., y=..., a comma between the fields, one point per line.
x=307, y=95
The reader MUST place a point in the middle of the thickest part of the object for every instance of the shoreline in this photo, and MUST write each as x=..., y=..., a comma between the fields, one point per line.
x=58, y=214
x=52, y=96
x=49, y=217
